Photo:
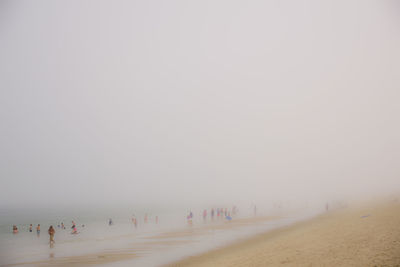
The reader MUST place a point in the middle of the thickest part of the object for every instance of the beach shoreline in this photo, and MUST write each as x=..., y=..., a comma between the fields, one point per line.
x=365, y=235
x=362, y=236
x=181, y=242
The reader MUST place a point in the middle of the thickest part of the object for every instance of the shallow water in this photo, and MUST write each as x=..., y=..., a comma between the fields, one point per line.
x=153, y=244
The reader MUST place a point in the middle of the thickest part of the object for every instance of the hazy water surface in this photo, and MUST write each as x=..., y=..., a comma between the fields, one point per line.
x=145, y=239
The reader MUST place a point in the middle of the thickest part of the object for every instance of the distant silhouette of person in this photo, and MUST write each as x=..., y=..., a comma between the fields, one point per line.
x=189, y=219
x=38, y=229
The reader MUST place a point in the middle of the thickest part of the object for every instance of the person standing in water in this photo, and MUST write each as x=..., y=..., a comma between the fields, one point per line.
x=74, y=231
x=134, y=220
x=30, y=228
x=38, y=229
x=51, y=232
x=15, y=229
x=190, y=219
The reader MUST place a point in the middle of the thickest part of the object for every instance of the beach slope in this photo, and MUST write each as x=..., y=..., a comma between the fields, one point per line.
x=368, y=236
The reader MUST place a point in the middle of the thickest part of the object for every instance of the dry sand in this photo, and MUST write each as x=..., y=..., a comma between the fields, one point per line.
x=357, y=237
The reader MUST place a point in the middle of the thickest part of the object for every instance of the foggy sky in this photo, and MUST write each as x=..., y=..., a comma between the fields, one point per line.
x=198, y=101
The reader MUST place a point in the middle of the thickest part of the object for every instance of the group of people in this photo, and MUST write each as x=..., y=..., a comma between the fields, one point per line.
x=145, y=219
x=51, y=231
x=15, y=229
x=219, y=213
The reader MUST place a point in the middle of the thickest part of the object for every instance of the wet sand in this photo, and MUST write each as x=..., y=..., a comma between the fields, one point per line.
x=84, y=260
x=368, y=236
x=152, y=244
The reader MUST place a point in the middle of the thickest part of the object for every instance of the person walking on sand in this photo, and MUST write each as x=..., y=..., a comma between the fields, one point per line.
x=51, y=232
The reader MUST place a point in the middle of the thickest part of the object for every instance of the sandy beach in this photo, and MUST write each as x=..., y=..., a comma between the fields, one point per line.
x=367, y=236
x=199, y=133
x=362, y=236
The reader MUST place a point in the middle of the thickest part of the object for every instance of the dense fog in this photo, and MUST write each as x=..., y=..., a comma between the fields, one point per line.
x=198, y=102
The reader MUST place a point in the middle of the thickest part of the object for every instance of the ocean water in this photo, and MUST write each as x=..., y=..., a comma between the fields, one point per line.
x=154, y=243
